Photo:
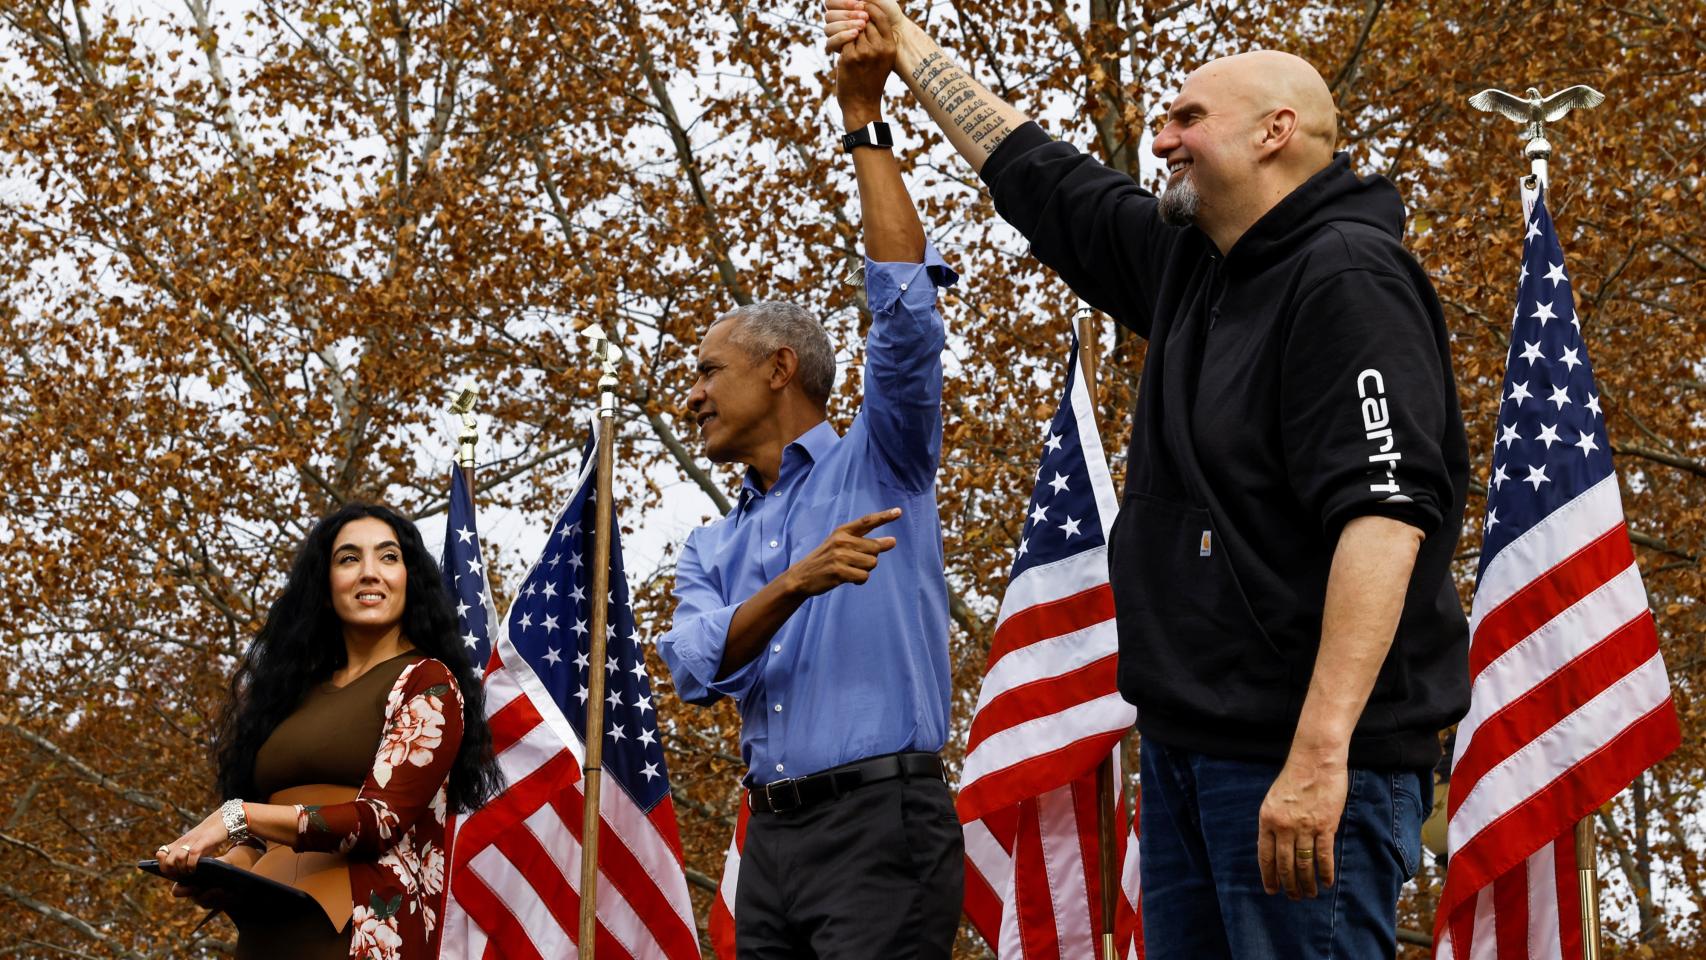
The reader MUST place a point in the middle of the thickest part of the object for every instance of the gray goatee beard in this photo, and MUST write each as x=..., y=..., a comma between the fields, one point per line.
x=1179, y=202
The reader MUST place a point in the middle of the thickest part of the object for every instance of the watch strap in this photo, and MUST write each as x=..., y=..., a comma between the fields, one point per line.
x=873, y=134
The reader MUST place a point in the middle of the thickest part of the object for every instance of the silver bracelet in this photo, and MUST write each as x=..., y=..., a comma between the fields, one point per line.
x=235, y=820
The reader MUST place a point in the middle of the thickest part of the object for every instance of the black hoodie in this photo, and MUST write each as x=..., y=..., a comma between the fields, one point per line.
x=1298, y=382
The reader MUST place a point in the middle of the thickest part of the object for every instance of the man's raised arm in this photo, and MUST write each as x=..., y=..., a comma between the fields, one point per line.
x=1088, y=222
x=975, y=120
x=893, y=232
x=901, y=415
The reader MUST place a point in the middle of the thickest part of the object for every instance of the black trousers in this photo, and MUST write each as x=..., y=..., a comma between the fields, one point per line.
x=877, y=874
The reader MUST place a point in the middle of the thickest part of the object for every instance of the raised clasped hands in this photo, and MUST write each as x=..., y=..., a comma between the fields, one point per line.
x=845, y=556
x=844, y=20
x=867, y=54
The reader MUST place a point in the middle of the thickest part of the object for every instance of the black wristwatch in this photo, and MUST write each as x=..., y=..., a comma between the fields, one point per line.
x=873, y=134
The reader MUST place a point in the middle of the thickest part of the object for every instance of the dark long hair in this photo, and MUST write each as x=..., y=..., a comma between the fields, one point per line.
x=301, y=644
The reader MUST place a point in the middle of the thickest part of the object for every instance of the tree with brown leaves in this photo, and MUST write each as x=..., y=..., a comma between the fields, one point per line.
x=247, y=252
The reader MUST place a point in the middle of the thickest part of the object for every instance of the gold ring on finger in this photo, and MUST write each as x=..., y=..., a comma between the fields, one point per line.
x=1305, y=854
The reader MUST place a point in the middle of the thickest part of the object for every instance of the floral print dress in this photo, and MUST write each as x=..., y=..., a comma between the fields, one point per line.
x=393, y=832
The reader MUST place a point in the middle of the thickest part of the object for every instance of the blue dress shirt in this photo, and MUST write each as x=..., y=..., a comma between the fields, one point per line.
x=861, y=670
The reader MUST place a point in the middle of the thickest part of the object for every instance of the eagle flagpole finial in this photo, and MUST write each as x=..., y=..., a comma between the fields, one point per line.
x=1534, y=112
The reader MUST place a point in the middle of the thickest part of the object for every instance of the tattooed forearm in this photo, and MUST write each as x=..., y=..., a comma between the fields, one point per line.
x=959, y=100
x=975, y=120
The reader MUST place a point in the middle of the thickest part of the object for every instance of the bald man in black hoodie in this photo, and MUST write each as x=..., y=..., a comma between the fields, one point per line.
x=1289, y=628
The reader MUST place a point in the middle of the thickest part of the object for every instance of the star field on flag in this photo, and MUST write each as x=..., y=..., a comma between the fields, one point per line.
x=465, y=573
x=1551, y=442
x=1062, y=518
x=549, y=624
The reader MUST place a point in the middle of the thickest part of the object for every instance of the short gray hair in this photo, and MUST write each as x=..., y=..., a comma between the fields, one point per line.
x=770, y=325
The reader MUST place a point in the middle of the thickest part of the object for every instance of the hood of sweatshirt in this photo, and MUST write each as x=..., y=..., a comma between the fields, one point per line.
x=1333, y=194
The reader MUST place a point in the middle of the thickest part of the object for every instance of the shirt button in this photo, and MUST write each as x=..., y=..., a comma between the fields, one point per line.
x=776, y=649
x=773, y=543
x=778, y=708
x=903, y=288
x=778, y=768
x=777, y=493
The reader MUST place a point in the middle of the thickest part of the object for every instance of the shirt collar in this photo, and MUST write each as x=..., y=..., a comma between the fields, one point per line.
x=814, y=444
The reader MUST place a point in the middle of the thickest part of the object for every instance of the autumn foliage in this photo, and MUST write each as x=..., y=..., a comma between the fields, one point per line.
x=246, y=252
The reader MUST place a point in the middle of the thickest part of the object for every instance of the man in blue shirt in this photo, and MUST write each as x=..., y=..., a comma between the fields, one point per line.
x=832, y=638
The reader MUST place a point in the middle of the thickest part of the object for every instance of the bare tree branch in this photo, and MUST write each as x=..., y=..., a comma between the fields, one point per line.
x=49, y=858
x=86, y=772
x=1342, y=80
x=1696, y=467
x=74, y=922
x=689, y=161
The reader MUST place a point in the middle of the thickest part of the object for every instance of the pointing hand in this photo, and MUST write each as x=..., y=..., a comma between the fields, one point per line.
x=845, y=556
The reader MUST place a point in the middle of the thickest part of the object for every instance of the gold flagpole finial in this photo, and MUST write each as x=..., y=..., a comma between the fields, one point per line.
x=463, y=406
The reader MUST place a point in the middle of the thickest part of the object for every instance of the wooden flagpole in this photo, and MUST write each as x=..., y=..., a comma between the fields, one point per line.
x=1587, y=882
x=1106, y=795
x=608, y=354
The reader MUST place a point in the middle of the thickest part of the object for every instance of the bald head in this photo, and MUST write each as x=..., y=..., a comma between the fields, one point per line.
x=1243, y=132
x=1266, y=81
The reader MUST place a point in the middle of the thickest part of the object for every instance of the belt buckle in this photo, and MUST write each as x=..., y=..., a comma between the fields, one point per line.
x=770, y=797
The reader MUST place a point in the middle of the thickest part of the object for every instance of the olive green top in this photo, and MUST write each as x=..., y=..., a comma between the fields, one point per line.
x=333, y=734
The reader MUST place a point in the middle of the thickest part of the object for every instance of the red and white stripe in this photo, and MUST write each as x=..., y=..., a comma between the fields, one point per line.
x=723, y=908
x=1033, y=885
x=1569, y=702
x=514, y=881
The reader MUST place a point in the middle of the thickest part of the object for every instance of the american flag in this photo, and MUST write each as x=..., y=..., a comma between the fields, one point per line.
x=515, y=864
x=463, y=568
x=1048, y=713
x=1569, y=699
x=1033, y=882
x=464, y=572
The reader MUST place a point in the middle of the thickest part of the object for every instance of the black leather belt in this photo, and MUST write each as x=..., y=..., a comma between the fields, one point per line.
x=792, y=794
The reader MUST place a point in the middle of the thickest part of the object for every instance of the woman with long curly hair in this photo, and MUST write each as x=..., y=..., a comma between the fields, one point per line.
x=354, y=725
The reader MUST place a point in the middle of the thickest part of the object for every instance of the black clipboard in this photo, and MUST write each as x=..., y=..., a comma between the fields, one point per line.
x=251, y=895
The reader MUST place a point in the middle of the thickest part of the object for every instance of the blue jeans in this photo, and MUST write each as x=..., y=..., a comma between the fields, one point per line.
x=1202, y=887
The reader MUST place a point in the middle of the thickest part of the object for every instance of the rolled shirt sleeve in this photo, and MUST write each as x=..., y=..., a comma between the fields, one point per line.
x=903, y=365
x=693, y=647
